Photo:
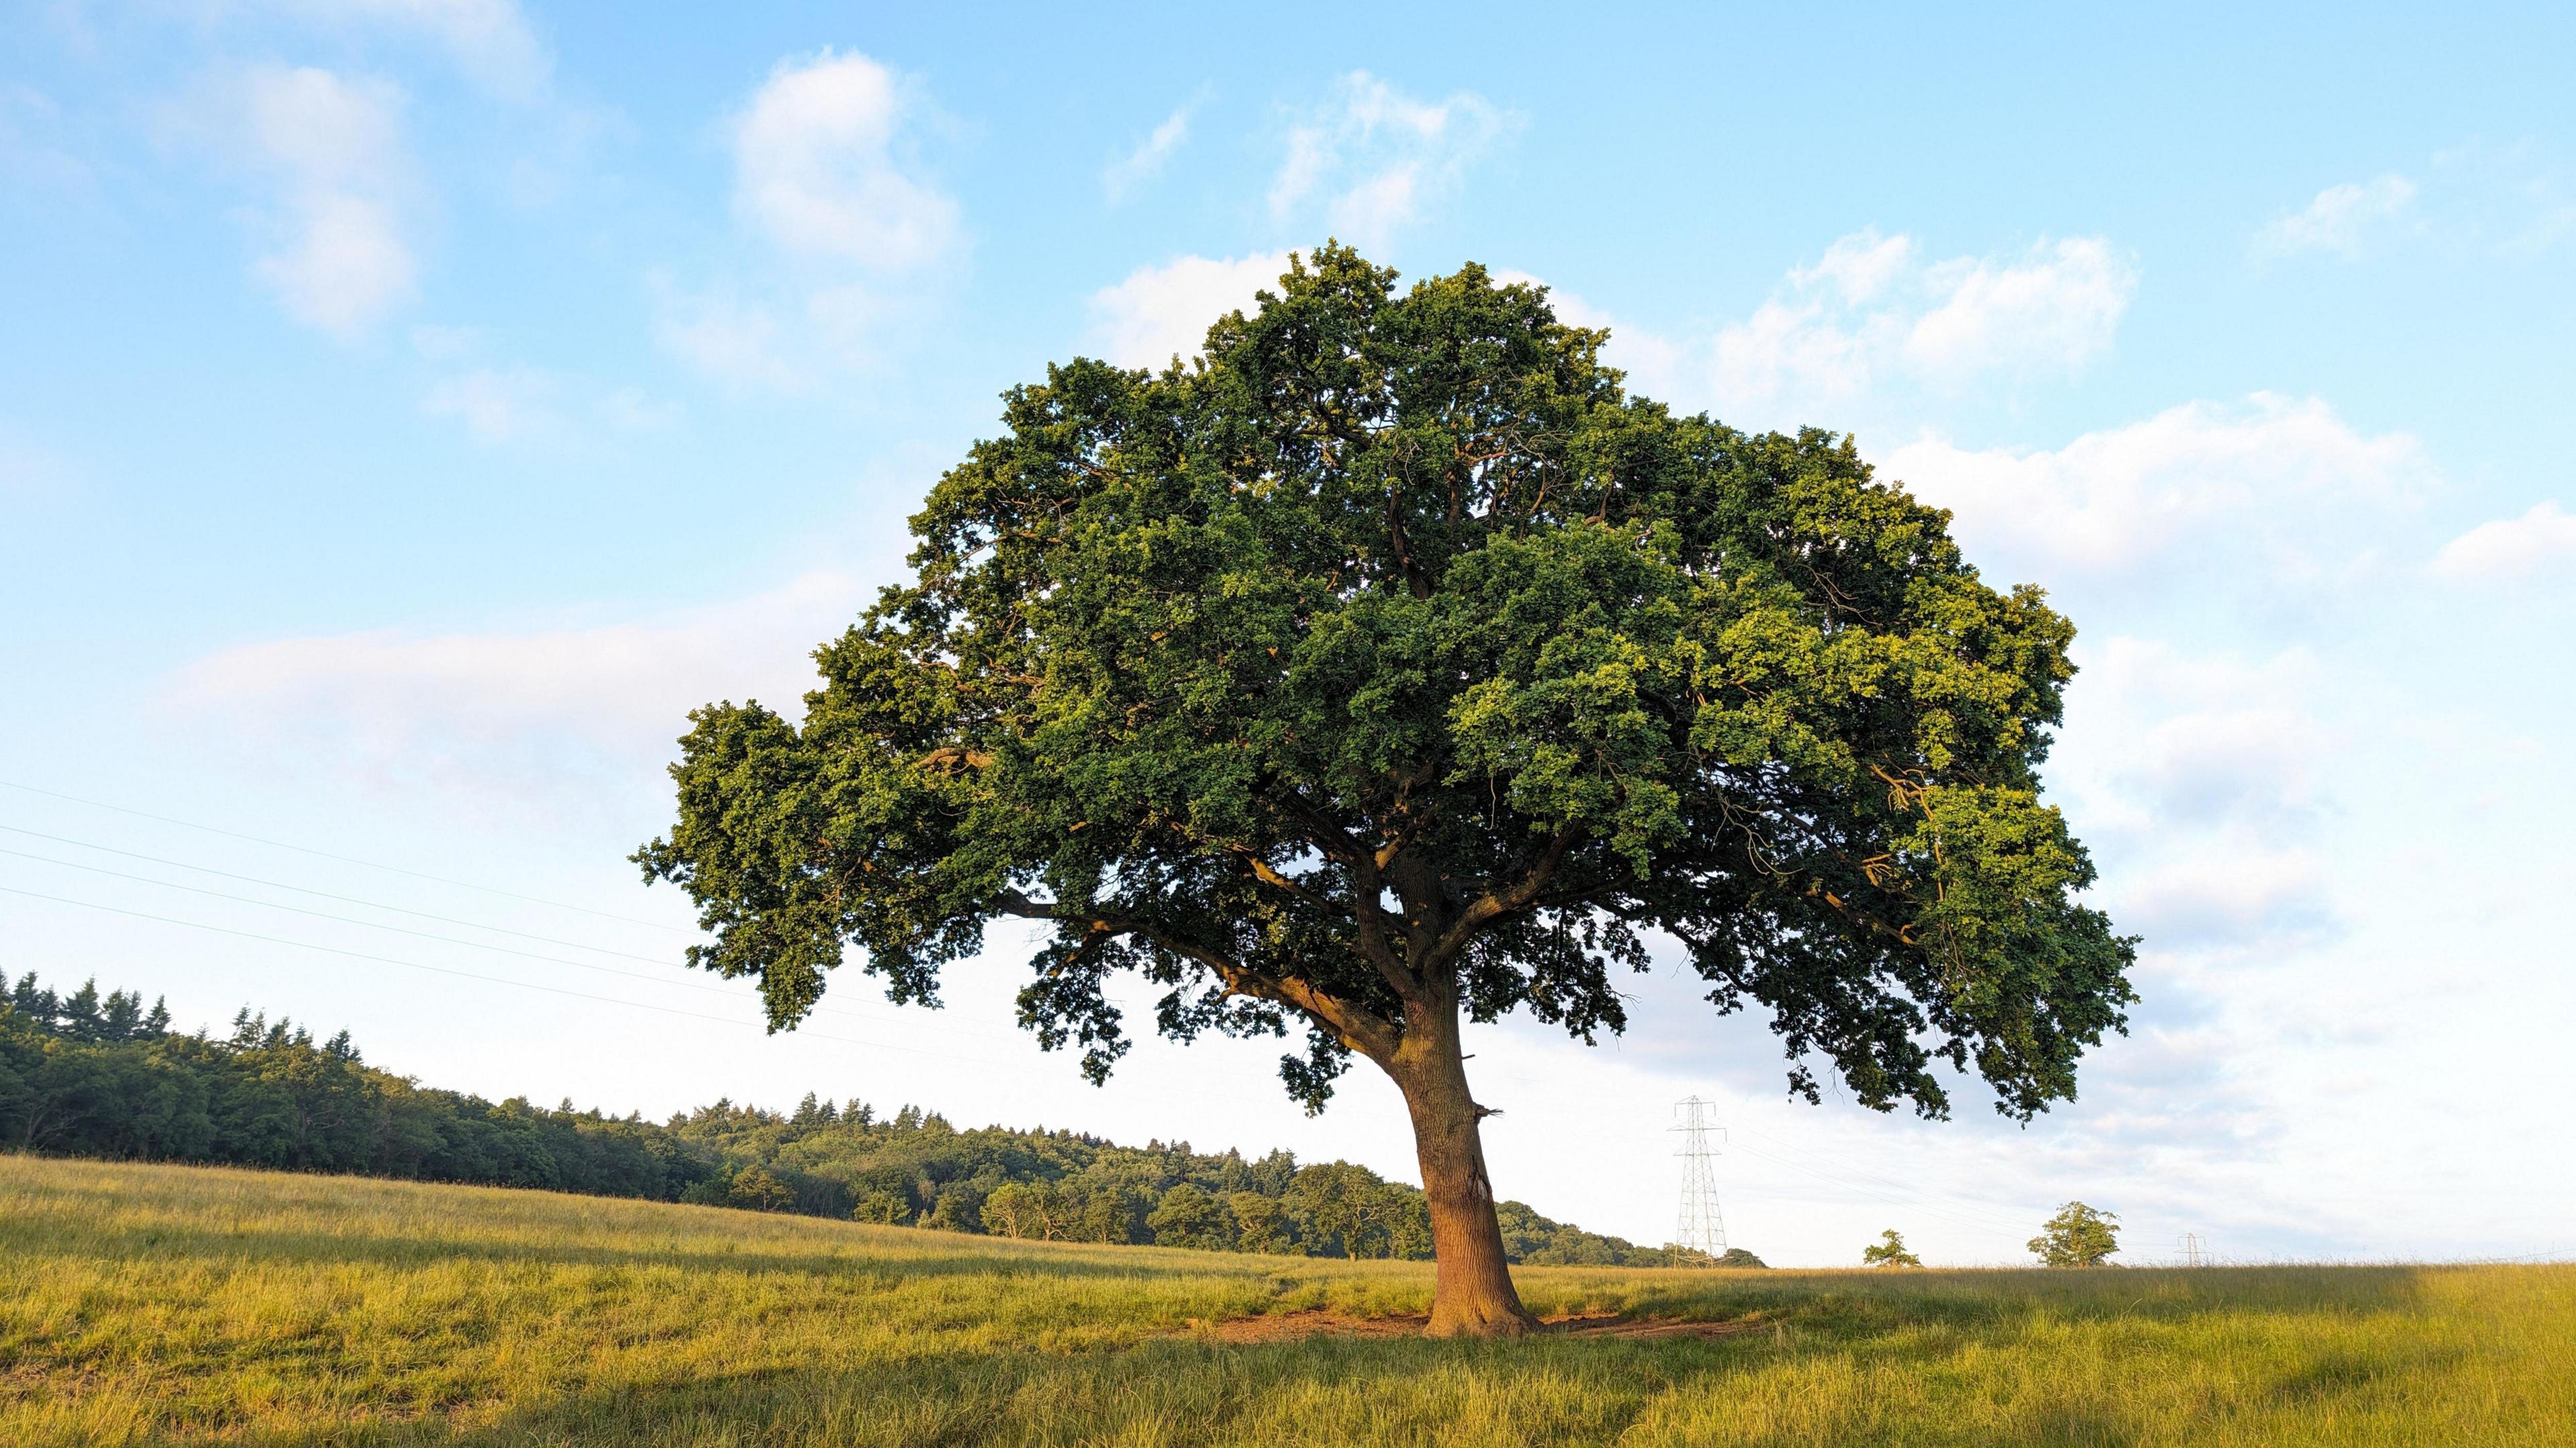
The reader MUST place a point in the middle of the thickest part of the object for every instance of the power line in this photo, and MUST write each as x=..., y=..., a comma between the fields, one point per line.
x=1909, y=1204
x=473, y=975
x=452, y=940
x=1997, y=1215
x=308, y=890
x=343, y=859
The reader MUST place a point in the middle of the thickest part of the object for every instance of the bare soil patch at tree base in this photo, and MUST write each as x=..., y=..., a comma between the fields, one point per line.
x=1335, y=1322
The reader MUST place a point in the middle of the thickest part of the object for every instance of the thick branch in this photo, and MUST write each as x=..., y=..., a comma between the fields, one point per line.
x=1353, y=1025
x=1493, y=905
x=1377, y=929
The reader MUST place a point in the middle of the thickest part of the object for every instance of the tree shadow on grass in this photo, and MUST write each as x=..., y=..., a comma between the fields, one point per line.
x=1185, y=1392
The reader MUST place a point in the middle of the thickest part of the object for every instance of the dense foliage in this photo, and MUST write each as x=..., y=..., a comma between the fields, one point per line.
x=87, y=1075
x=1390, y=659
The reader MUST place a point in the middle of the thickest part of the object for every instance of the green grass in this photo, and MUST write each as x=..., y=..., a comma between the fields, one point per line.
x=144, y=1304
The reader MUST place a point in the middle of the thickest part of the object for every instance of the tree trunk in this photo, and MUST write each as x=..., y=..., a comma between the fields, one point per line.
x=1474, y=1296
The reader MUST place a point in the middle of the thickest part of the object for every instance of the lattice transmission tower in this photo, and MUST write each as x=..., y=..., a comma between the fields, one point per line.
x=1702, y=1228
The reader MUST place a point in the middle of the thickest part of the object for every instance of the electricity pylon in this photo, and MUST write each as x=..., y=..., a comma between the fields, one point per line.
x=1701, y=1228
x=2191, y=1255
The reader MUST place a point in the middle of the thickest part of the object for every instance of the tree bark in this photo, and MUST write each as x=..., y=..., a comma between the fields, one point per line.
x=1473, y=1295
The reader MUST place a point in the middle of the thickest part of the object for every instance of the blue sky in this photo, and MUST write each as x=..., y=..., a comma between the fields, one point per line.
x=410, y=408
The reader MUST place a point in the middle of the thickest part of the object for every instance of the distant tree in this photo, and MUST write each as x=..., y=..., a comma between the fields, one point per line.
x=755, y=1188
x=1389, y=667
x=1889, y=1251
x=1034, y=1209
x=1738, y=1257
x=1263, y=1225
x=2077, y=1236
x=1190, y=1217
x=959, y=1207
x=892, y=1210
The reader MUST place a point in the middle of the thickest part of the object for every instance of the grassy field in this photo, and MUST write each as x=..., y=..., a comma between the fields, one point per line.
x=183, y=1305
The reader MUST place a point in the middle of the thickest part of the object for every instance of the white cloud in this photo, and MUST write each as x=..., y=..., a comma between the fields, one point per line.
x=721, y=335
x=516, y=713
x=2340, y=219
x=491, y=39
x=2228, y=895
x=1861, y=266
x=1146, y=162
x=815, y=168
x=332, y=150
x=440, y=343
x=2162, y=744
x=501, y=405
x=1873, y=316
x=2511, y=548
x=28, y=120
x=1162, y=312
x=819, y=174
x=1376, y=157
x=496, y=405
x=2053, y=310
x=2112, y=500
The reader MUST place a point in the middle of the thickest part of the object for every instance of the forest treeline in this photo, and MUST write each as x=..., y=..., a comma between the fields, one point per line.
x=103, y=1076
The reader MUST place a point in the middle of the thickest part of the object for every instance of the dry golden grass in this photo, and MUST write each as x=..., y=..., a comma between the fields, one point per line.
x=143, y=1304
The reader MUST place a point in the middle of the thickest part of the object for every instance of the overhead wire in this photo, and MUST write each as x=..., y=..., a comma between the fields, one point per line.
x=320, y=894
x=344, y=859
x=468, y=944
x=1973, y=1204
x=476, y=975
x=1991, y=1222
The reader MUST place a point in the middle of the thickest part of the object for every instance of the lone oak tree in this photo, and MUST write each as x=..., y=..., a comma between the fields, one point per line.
x=1388, y=665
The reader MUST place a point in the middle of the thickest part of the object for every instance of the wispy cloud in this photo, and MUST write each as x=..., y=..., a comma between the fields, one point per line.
x=1374, y=158
x=527, y=717
x=1147, y=160
x=502, y=405
x=490, y=39
x=2341, y=219
x=329, y=156
x=823, y=176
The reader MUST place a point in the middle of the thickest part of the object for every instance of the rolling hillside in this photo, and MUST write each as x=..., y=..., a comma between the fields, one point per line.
x=168, y=1304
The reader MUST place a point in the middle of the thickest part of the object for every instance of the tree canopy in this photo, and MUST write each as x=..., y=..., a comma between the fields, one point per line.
x=1389, y=662
x=1405, y=586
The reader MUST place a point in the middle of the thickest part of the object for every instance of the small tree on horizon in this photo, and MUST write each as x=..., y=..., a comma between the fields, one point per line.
x=1888, y=1251
x=2078, y=1236
x=1388, y=667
